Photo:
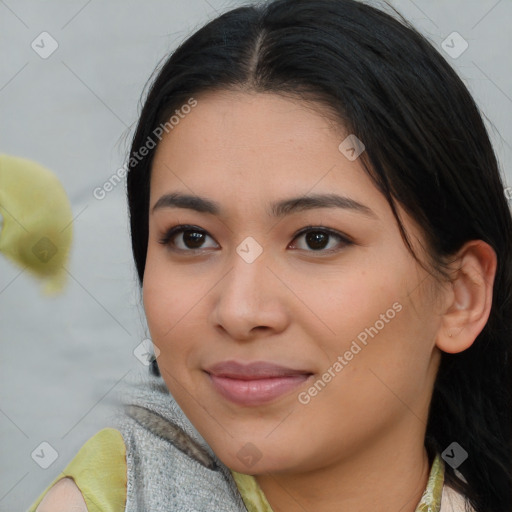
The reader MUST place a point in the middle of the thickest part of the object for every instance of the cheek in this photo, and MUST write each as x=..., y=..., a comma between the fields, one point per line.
x=166, y=306
x=382, y=376
x=168, y=298
x=383, y=332
x=347, y=304
x=168, y=292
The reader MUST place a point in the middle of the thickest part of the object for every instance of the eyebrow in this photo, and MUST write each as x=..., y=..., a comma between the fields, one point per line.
x=278, y=209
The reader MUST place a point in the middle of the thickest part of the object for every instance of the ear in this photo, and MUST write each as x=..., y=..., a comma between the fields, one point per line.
x=469, y=297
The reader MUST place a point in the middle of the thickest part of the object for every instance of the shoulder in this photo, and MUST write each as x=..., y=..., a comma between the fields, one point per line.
x=94, y=480
x=453, y=501
x=62, y=497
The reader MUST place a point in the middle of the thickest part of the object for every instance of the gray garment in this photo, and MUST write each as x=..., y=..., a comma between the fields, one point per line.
x=170, y=467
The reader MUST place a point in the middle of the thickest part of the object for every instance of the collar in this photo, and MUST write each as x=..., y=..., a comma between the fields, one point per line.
x=255, y=500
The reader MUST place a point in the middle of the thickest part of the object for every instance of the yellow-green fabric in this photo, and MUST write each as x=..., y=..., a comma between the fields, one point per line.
x=99, y=470
x=35, y=220
x=254, y=499
x=431, y=499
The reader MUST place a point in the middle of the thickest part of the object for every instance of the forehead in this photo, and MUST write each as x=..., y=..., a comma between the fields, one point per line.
x=231, y=121
x=259, y=140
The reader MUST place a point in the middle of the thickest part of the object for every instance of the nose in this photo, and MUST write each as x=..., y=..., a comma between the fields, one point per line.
x=250, y=301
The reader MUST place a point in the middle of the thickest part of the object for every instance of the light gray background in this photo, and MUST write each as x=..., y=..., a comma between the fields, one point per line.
x=63, y=358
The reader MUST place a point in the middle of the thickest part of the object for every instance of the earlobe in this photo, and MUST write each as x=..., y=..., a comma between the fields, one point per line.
x=465, y=316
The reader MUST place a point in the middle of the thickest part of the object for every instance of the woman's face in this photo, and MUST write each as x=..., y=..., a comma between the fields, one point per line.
x=321, y=293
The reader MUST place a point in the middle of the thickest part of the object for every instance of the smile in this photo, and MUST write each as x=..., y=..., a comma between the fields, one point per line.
x=256, y=383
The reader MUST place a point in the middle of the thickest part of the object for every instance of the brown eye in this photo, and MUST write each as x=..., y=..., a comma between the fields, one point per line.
x=193, y=239
x=320, y=239
x=317, y=239
x=185, y=238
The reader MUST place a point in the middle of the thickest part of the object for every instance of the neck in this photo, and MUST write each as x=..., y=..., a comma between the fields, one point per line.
x=387, y=477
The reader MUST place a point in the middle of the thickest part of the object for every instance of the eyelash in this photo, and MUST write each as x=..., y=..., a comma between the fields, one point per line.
x=172, y=232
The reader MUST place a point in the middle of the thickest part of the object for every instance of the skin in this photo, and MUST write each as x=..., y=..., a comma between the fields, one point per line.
x=64, y=496
x=358, y=444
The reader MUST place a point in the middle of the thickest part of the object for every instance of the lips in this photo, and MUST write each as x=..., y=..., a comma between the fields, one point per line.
x=255, y=383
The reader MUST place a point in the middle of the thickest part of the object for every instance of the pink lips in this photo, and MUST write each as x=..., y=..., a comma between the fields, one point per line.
x=254, y=383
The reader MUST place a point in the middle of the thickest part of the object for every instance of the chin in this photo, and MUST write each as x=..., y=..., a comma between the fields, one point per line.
x=252, y=458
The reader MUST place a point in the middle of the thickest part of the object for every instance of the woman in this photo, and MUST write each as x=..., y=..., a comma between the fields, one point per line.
x=324, y=247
